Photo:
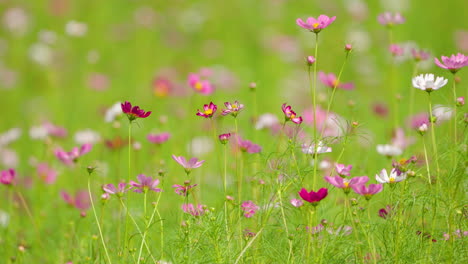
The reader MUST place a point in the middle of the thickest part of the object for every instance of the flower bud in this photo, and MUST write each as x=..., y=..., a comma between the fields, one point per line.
x=310, y=60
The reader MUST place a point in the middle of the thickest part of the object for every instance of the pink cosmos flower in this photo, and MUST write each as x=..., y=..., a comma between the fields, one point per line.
x=159, y=138
x=232, y=109
x=188, y=165
x=224, y=138
x=54, y=130
x=400, y=140
x=316, y=25
x=119, y=190
x=396, y=50
x=346, y=184
x=367, y=192
x=162, y=87
x=297, y=202
x=343, y=170
x=289, y=114
x=389, y=19
x=452, y=63
x=247, y=146
x=201, y=86
x=249, y=208
x=420, y=55
x=461, y=101
x=310, y=60
x=208, y=110
x=80, y=201
x=416, y=121
x=145, y=184
x=183, y=190
x=195, y=210
x=46, y=173
x=313, y=197
x=133, y=112
x=331, y=81
x=69, y=158
x=7, y=176
x=386, y=212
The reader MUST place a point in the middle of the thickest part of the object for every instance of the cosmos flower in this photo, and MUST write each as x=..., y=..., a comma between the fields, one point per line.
x=7, y=176
x=343, y=170
x=346, y=184
x=183, y=190
x=367, y=192
x=232, y=109
x=224, y=138
x=427, y=83
x=195, y=210
x=208, y=110
x=313, y=197
x=396, y=50
x=310, y=60
x=201, y=86
x=119, y=190
x=159, y=138
x=290, y=115
x=315, y=25
x=69, y=158
x=133, y=112
x=331, y=81
x=297, y=202
x=248, y=146
x=389, y=150
x=420, y=55
x=312, y=148
x=249, y=208
x=188, y=165
x=389, y=19
x=145, y=184
x=113, y=112
x=80, y=201
x=453, y=63
x=46, y=173
x=395, y=176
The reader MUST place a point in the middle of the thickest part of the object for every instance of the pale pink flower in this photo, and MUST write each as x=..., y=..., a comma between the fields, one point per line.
x=159, y=138
x=343, y=170
x=201, y=86
x=389, y=19
x=46, y=173
x=188, y=165
x=297, y=202
x=315, y=25
x=119, y=190
x=249, y=208
x=195, y=210
x=453, y=63
x=330, y=80
x=367, y=192
x=145, y=184
x=80, y=201
x=69, y=158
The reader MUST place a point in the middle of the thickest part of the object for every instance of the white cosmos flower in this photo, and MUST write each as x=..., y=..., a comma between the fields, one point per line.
x=389, y=150
x=320, y=148
x=427, y=83
x=87, y=136
x=442, y=113
x=113, y=112
x=395, y=176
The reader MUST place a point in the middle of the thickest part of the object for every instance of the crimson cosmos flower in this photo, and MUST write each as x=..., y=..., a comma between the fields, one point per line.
x=313, y=197
x=7, y=176
x=133, y=112
x=289, y=114
x=208, y=110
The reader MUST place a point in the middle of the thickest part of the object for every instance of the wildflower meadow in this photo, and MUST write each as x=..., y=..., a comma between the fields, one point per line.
x=138, y=131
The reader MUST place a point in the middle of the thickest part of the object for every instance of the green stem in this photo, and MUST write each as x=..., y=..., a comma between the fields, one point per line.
x=427, y=163
x=314, y=105
x=455, y=135
x=148, y=224
x=128, y=180
x=434, y=144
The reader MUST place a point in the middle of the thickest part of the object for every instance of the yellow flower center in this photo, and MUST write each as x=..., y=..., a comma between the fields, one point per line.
x=234, y=106
x=209, y=112
x=293, y=116
x=315, y=25
x=335, y=83
x=198, y=85
x=346, y=184
x=392, y=180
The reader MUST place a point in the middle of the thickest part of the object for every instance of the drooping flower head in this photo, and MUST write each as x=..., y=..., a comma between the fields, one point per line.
x=313, y=197
x=208, y=110
x=159, y=138
x=388, y=19
x=188, y=165
x=183, y=190
x=145, y=184
x=133, y=112
x=331, y=81
x=346, y=184
x=427, y=83
x=224, y=138
x=453, y=63
x=46, y=173
x=200, y=86
x=195, y=210
x=69, y=158
x=290, y=115
x=119, y=190
x=395, y=176
x=367, y=192
x=315, y=25
x=232, y=109
x=249, y=208
x=7, y=176
x=343, y=170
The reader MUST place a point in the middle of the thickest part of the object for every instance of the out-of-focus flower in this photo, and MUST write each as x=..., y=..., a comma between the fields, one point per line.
x=400, y=140
x=367, y=192
x=4, y=219
x=315, y=25
x=69, y=158
x=380, y=109
x=249, y=208
x=297, y=202
x=76, y=29
x=80, y=201
x=461, y=38
x=389, y=150
x=348, y=47
x=310, y=60
x=87, y=136
x=313, y=197
x=386, y=212
x=9, y=136
x=343, y=170
x=193, y=163
x=54, y=130
x=113, y=112
x=47, y=36
x=248, y=146
x=453, y=63
x=313, y=148
x=162, y=87
x=396, y=50
x=420, y=55
x=224, y=138
x=442, y=113
x=145, y=16
x=46, y=173
x=119, y=190
x=427, y=83
x=41, y=54
x=195, y=210
x=98, y=81
x=290, y=115
x=201, y=86
x=345, y=184
x=16, y=20
x=8, y=157
x=416, y=121
x=208, y=110
x=183, y=190
x=266, y=121
x=232, y=109
x=461, y=101
x=200, y=146
x=7, y=177
x=133, y=112
x=159, y=138
x=422, y=129
x=115, y=143
x=388, y=19
x=331, y=81
x=395, y=176
x=145, y=184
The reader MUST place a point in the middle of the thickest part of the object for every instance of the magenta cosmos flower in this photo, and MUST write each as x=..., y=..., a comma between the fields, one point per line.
x=248, y=146
x=452, y=63
x=188, y=165
x=119, y=190
x=183, y=190
x=289, y=114
x=367, y=192
x=7, y=176
x=159, y=138
x=145, y=184
x=343, y=170
x=315, y=25
x=208, y=110
x=224, y=138
x=313, y=197
x=232, y=109
x=346, y=184
x=133, y=112
x=389, y=19
x=69, y=158
x=200, y=86
x=331, y=81
x=195, y=210
x=249, y=208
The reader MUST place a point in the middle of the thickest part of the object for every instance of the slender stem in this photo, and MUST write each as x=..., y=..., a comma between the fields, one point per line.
x=148, y=224
x=427, y=163
x=128, y=180
x=226, y=216
x=97, y=220
x=455, y=135
x=314, y=105
x=434, y=144
x=283, y=216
